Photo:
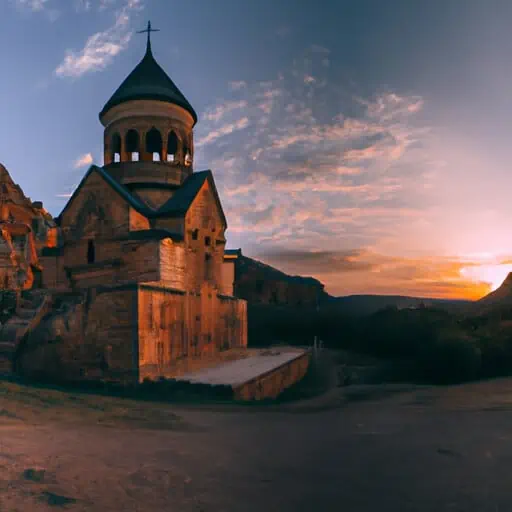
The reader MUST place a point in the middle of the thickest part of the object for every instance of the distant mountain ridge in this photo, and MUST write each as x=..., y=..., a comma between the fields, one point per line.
x=368, y=304
x=260, y=283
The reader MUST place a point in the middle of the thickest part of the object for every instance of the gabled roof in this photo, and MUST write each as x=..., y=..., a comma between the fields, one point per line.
x=181, y=201
x=118, y=187
x=176, y=206
x=148, y=81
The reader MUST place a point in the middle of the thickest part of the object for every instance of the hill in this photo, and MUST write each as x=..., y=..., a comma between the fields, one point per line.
x=502, y=296
x=259, y=283
x=361, y=305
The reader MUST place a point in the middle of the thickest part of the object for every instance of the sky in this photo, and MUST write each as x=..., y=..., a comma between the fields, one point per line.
x=362, y=142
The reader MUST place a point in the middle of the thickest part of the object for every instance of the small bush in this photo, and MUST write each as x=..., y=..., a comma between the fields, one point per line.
x=450, y=360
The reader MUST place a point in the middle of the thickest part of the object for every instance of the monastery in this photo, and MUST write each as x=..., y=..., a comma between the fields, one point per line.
x=133, y=274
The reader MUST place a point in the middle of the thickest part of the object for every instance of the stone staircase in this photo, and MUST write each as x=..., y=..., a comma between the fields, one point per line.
x=32, y=308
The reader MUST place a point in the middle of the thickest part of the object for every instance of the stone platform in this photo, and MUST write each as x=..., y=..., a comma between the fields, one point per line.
x=264, y=374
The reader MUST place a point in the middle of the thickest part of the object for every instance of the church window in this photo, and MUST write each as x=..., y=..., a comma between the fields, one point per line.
x=172, y=147
x=195, y=234
x=207, y=240
x=91, y=252
x=132, y=145
x=208, y=266
x=116, y=147
x=188, y=156
x=154, y=144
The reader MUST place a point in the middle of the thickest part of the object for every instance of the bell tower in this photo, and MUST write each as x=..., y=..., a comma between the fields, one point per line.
x=148, y=137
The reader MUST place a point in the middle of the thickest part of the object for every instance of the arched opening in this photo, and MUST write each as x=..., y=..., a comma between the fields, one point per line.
x=172, y=147
x=188, y=156
x=91, y=252
x=116, y=147
x=132, y=145
x=154, y=144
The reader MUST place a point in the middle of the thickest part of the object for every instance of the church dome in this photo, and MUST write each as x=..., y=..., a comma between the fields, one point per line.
x=148, y=81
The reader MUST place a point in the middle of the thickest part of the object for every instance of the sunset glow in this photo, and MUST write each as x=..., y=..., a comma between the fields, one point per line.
x=372, y=175
x=493, y=275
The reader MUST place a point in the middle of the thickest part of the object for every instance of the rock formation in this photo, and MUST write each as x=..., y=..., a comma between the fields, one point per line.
x=25, y=228
x=259, y=283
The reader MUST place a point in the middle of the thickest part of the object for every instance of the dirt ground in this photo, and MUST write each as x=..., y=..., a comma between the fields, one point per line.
x=360, y=448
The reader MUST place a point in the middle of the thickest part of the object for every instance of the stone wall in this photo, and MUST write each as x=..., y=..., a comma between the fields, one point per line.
x=174, y=325
x=130, y=332
x=273, y=383
x=228, y=278
x=88, y=336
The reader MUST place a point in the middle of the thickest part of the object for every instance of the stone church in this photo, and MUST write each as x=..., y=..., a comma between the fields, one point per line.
x=133, y=274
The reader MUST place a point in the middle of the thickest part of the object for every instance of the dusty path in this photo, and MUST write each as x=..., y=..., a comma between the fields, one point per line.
x=428, y=450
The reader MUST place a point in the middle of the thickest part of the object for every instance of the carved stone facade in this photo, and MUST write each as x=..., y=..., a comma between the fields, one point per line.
x=136, y=266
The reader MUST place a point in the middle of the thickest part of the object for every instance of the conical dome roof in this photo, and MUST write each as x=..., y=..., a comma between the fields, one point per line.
x=148, y=81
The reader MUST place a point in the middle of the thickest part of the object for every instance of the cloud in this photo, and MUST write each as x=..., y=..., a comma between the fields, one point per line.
x=101, y=48
x=237, y=85
x=83, y=161
x=33, y=5
x=83, y=5
x=226, y=129
x=219, y=111
x=324, y=172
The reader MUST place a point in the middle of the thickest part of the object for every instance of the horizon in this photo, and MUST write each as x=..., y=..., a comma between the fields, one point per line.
x=362, y=144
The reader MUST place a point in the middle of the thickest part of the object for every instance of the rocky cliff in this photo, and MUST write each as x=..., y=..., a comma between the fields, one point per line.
x=262, y=284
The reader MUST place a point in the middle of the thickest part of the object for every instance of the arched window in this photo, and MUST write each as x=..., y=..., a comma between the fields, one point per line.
x=172, y=147
x=132, y=145
x=91, y=252
x=188, y=156
x=116, y=147
x=154, y=144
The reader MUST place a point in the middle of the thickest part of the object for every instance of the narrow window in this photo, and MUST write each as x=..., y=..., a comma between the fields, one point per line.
x=91, y=252
x=116, y=147
x=188, y=158
x=195, y=234
x=207, y=241
x=172, y=147
x=132, y=145
x=154, y=144
x=207, y=267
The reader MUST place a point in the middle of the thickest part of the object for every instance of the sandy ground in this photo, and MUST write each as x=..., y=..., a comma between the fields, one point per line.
x=363, y=448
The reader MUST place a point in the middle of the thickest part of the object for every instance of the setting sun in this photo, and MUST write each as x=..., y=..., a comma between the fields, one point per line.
x=492, y=274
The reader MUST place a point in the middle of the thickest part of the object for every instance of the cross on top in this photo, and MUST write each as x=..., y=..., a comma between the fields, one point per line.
x=148, y=31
